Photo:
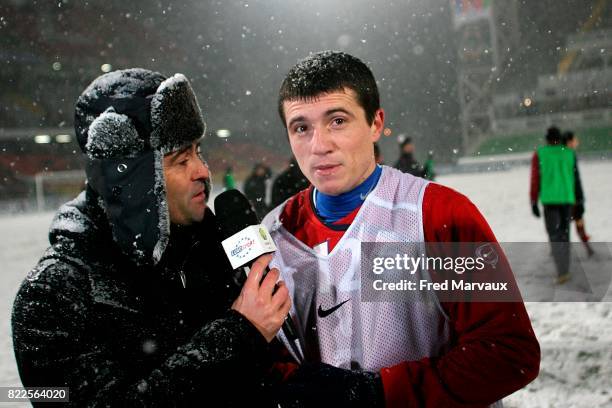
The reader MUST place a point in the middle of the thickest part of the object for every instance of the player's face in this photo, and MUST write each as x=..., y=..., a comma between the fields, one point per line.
x=332, y=140
x=186, y=177
x=573, y=144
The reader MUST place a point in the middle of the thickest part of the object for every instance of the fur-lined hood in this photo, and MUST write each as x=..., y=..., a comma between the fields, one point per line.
x=125, y=122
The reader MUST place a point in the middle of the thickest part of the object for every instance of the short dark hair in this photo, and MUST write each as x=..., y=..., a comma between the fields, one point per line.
x=329, y=71
x=405, y=141
x=553, y=135
x=568, y=136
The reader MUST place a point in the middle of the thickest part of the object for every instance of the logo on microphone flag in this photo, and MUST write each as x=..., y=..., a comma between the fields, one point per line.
x=242, y=248
x=248, y=244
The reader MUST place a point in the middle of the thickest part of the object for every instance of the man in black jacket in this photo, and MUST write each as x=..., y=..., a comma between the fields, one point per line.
x=289, y=182
x=406, y=162
x=134, y=303
x=255, y=188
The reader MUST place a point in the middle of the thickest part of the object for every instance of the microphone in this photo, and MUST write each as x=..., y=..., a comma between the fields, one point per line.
x=245, y=240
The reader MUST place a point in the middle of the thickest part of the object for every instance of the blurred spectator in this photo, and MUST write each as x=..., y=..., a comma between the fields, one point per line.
x=571, y=141
x=406, y=162
x=255, y=188
x=288, y=183
x=228, y=179
x=378, y=157
x=428, y=167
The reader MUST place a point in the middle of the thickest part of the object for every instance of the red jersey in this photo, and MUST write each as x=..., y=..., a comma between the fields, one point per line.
x=494, y=351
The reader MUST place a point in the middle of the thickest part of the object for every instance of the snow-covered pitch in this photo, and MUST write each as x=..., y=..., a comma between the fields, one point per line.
x=576, y=338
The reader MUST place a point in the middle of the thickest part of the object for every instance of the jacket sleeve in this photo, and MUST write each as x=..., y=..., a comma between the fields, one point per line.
x=494, y=351
x=534, y=191
x=54, y=347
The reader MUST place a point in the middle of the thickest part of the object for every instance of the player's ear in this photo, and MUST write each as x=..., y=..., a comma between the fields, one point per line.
x=377, y=124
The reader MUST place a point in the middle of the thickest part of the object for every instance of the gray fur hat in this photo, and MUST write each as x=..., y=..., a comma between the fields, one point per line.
x=125, y=122
x=162, y=113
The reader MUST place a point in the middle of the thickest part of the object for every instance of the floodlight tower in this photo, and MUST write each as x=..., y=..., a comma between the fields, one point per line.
x=487, y=32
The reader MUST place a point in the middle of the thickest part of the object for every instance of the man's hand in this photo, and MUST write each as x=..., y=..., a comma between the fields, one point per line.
x=262, y=305
x=535, y=210
x=322, y=385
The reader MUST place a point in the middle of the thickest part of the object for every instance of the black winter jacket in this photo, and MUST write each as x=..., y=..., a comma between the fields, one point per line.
x=407, y=164
x=255, y=191
x=116, y=334
x=288, y=183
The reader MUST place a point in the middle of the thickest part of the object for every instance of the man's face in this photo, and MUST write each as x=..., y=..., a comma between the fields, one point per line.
x=332, y=140
x=573, y=144
x=408, y=148
x=186, y=177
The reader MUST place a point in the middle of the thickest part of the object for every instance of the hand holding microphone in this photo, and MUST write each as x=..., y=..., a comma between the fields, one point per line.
x=265, y=306
x=248, y=244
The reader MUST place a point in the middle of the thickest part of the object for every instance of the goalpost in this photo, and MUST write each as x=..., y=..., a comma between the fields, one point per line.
x=55, y=187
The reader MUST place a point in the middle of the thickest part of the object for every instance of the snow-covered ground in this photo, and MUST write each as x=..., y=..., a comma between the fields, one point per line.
x=22, y=241
x=576, y=338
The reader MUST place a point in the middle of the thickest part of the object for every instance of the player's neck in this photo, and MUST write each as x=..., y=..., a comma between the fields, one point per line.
x=333, y=208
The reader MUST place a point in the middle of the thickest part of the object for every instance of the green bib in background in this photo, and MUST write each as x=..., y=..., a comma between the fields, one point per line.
x=557, y=183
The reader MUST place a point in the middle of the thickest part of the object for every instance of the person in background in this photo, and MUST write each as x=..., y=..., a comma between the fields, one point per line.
x=289, y=182
x=255, y=188
x=378, y=157
x=228, y=179
x=423, y=353
x=406, y=162
x=572, y=141
x=554, y=181
x=428, y=167
x=134, y=303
